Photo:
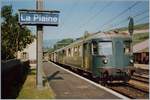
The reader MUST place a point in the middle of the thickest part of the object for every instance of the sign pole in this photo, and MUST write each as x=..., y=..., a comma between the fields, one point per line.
x=40, y=18
x=39, y=81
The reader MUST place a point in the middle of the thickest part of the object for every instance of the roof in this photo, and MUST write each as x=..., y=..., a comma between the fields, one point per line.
x=108, y=35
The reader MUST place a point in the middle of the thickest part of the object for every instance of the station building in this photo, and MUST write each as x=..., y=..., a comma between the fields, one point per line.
x=141, y=52
x=29, y=53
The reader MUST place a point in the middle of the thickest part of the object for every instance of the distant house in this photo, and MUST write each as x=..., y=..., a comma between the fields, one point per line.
x=29, y=53
x=141, y=52
x=45, y=55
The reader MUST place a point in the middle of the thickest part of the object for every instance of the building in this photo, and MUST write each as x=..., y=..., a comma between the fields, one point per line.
x=29, y=53
x=141, y=52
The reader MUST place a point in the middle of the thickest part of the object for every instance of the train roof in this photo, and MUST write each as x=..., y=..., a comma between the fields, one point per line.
x=101, y=35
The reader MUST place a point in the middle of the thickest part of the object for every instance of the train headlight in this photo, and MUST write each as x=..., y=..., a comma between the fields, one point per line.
x=131, y=61
x=105, y=61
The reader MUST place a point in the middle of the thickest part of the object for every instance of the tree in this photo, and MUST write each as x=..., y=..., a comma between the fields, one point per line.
x=62, y=43
x=14, y=37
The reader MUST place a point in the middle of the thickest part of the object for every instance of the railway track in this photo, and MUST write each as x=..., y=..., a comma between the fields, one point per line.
x=132, y=89
x=140, y=78
x=140, y=71
x=129, y=90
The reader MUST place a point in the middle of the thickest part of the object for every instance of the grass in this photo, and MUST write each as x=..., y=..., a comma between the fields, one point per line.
x=136, y=27
x=29, y=90
x=137, y=38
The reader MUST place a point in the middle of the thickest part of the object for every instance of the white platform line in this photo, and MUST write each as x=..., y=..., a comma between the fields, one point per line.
x=98, y=85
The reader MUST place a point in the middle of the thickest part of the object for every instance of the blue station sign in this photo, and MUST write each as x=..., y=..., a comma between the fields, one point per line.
x=36, y=17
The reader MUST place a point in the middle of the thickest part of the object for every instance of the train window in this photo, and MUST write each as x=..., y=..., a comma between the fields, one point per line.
x=75, y=51
x=94, y=48
x=105, y=48
x=126, y=47
x=72, y=52
x=64, y=53
x=69, y=52
x=80, y=51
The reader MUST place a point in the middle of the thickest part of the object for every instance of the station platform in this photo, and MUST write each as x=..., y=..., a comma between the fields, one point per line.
x=68, y=85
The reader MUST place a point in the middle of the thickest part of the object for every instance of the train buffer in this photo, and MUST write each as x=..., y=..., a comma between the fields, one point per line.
x=67, y=85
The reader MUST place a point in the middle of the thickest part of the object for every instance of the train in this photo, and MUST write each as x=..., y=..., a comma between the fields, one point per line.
x=106, y=56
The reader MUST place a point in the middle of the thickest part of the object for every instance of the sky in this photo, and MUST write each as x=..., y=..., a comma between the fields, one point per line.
x=78, y=16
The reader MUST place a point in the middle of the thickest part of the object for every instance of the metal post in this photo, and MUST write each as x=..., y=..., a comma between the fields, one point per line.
x=39, y=6
x=131, y=29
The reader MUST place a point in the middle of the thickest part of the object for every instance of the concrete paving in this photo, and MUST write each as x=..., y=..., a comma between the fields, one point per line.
x=67, y=86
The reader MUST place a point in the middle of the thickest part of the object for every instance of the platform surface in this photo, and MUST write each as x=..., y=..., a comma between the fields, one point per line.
x=68, y=86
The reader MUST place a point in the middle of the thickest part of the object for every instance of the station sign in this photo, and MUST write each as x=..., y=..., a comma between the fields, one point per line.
x=36, y=17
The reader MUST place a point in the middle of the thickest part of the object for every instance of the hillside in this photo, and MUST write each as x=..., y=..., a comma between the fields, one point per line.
x=137, y=38
x=136, y=27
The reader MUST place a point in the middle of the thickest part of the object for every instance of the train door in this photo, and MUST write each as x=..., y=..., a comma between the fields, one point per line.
x=86, y=56
x=118, y=52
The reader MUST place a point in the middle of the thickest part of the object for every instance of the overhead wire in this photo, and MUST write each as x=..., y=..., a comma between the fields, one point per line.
x=141, y=13
x=91, y=8
x=126, y=19
x=121, y=13
x=70, y=11
x=141, y=19
x=96, y=14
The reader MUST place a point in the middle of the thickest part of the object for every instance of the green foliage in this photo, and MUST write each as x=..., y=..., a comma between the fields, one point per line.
x=136, y=27
x=137, y=38
x=63, y=43
x=50, y=49
x=14, y=37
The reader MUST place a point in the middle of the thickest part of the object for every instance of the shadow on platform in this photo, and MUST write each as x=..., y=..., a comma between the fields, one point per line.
x=53, y=76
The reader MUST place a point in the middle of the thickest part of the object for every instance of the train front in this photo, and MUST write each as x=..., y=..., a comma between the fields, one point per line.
x=112, y=59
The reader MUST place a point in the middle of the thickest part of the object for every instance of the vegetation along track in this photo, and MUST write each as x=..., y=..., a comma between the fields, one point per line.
x=132, y=89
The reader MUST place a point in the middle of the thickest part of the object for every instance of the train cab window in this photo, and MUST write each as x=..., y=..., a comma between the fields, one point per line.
x=127, y=47
x=105, y=48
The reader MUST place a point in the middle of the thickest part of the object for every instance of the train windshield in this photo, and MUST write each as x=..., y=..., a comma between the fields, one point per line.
x=105, y=48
